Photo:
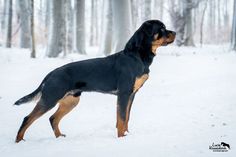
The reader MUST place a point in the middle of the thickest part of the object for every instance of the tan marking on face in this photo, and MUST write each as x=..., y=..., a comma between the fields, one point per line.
x=139, y=82
x=171, y=38
x=156, y=43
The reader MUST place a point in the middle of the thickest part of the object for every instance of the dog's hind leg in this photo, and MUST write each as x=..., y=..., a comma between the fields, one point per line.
x=66, y=104
x=37, y=112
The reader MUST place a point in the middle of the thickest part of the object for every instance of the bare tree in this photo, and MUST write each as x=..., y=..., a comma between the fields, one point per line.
x=80, y=26
x=3, y=16
x=181, y=16
x=57, y=29
x=48, y=6
x=219, y=16
x=106, y=36
x=9, y=24
x=187, y=12
x=24, y=14
x=69, y=27
x=33, y=53
x=202, y=22
x=47, y=16
x=157, y=9
x=121, y=23
x=226, y=14
x=211, y=19
x=134, y=12
x=40, y=11
x=94, y=23
x=233, y=34
x=178, y=21
x=146, y=10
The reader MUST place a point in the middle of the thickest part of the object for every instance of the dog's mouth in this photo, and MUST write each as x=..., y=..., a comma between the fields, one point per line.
x=169, y=39
x=165, y=43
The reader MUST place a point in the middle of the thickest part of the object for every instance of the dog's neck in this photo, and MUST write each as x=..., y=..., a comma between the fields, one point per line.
x=147, y=61
x=145, y=57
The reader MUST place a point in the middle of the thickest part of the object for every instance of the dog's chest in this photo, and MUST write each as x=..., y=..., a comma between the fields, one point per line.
x=139, y=81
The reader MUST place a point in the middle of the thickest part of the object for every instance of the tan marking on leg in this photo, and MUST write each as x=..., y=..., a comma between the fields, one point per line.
x=65, y=106
x=35, y=114
x=120, y=124
x=128, y=115
x=139, y=82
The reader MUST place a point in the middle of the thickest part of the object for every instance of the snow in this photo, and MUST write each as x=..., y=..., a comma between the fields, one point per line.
x=187, y=104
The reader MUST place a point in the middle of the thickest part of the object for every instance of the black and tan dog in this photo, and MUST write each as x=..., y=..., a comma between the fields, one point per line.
x=121, y=74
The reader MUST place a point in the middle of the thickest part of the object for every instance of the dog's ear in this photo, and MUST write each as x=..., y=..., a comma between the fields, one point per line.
x=135, y=42
x=147, y=29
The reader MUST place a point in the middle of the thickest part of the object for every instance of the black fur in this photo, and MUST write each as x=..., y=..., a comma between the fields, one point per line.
x=114, y=74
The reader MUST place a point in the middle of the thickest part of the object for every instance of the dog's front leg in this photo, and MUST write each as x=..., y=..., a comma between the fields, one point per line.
x=124, y=103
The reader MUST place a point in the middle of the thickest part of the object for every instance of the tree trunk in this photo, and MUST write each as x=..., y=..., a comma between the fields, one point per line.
x=233, y=34
x=92, y=28
x=94, y=23
x=69, y=27
x=178, y=21
x=226, y=14
x=3, y=17
x=47, y=16
x=202, y=22
x=57, y=29
x=9, y=24
x=146, y=10
x=157, y=9
x=80, y=26
x=219, y=19
x=106, y=36
x=189, y=23
x=33, y=53
x=161, y=4
x=121, y=23
x=211, y=19
x=134, y=12
x=40, y=11
x=48, y=4
x=96, y=4
x=24, y=23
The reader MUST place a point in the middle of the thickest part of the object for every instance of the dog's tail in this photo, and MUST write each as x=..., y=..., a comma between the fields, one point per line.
x=35, y=94
x=29, y=97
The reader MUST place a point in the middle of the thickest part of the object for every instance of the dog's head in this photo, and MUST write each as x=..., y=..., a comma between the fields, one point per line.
x=151, y=35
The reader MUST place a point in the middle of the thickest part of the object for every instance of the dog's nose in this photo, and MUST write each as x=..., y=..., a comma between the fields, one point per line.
x=174, y=33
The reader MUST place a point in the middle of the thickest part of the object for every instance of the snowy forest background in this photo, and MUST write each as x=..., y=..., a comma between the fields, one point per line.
x=71, y=26
x=187, y=104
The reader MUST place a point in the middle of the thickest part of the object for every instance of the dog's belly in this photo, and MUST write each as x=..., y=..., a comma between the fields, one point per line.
x=103, y=84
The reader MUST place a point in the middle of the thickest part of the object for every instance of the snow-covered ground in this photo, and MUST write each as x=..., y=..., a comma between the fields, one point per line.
x=188, y=103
